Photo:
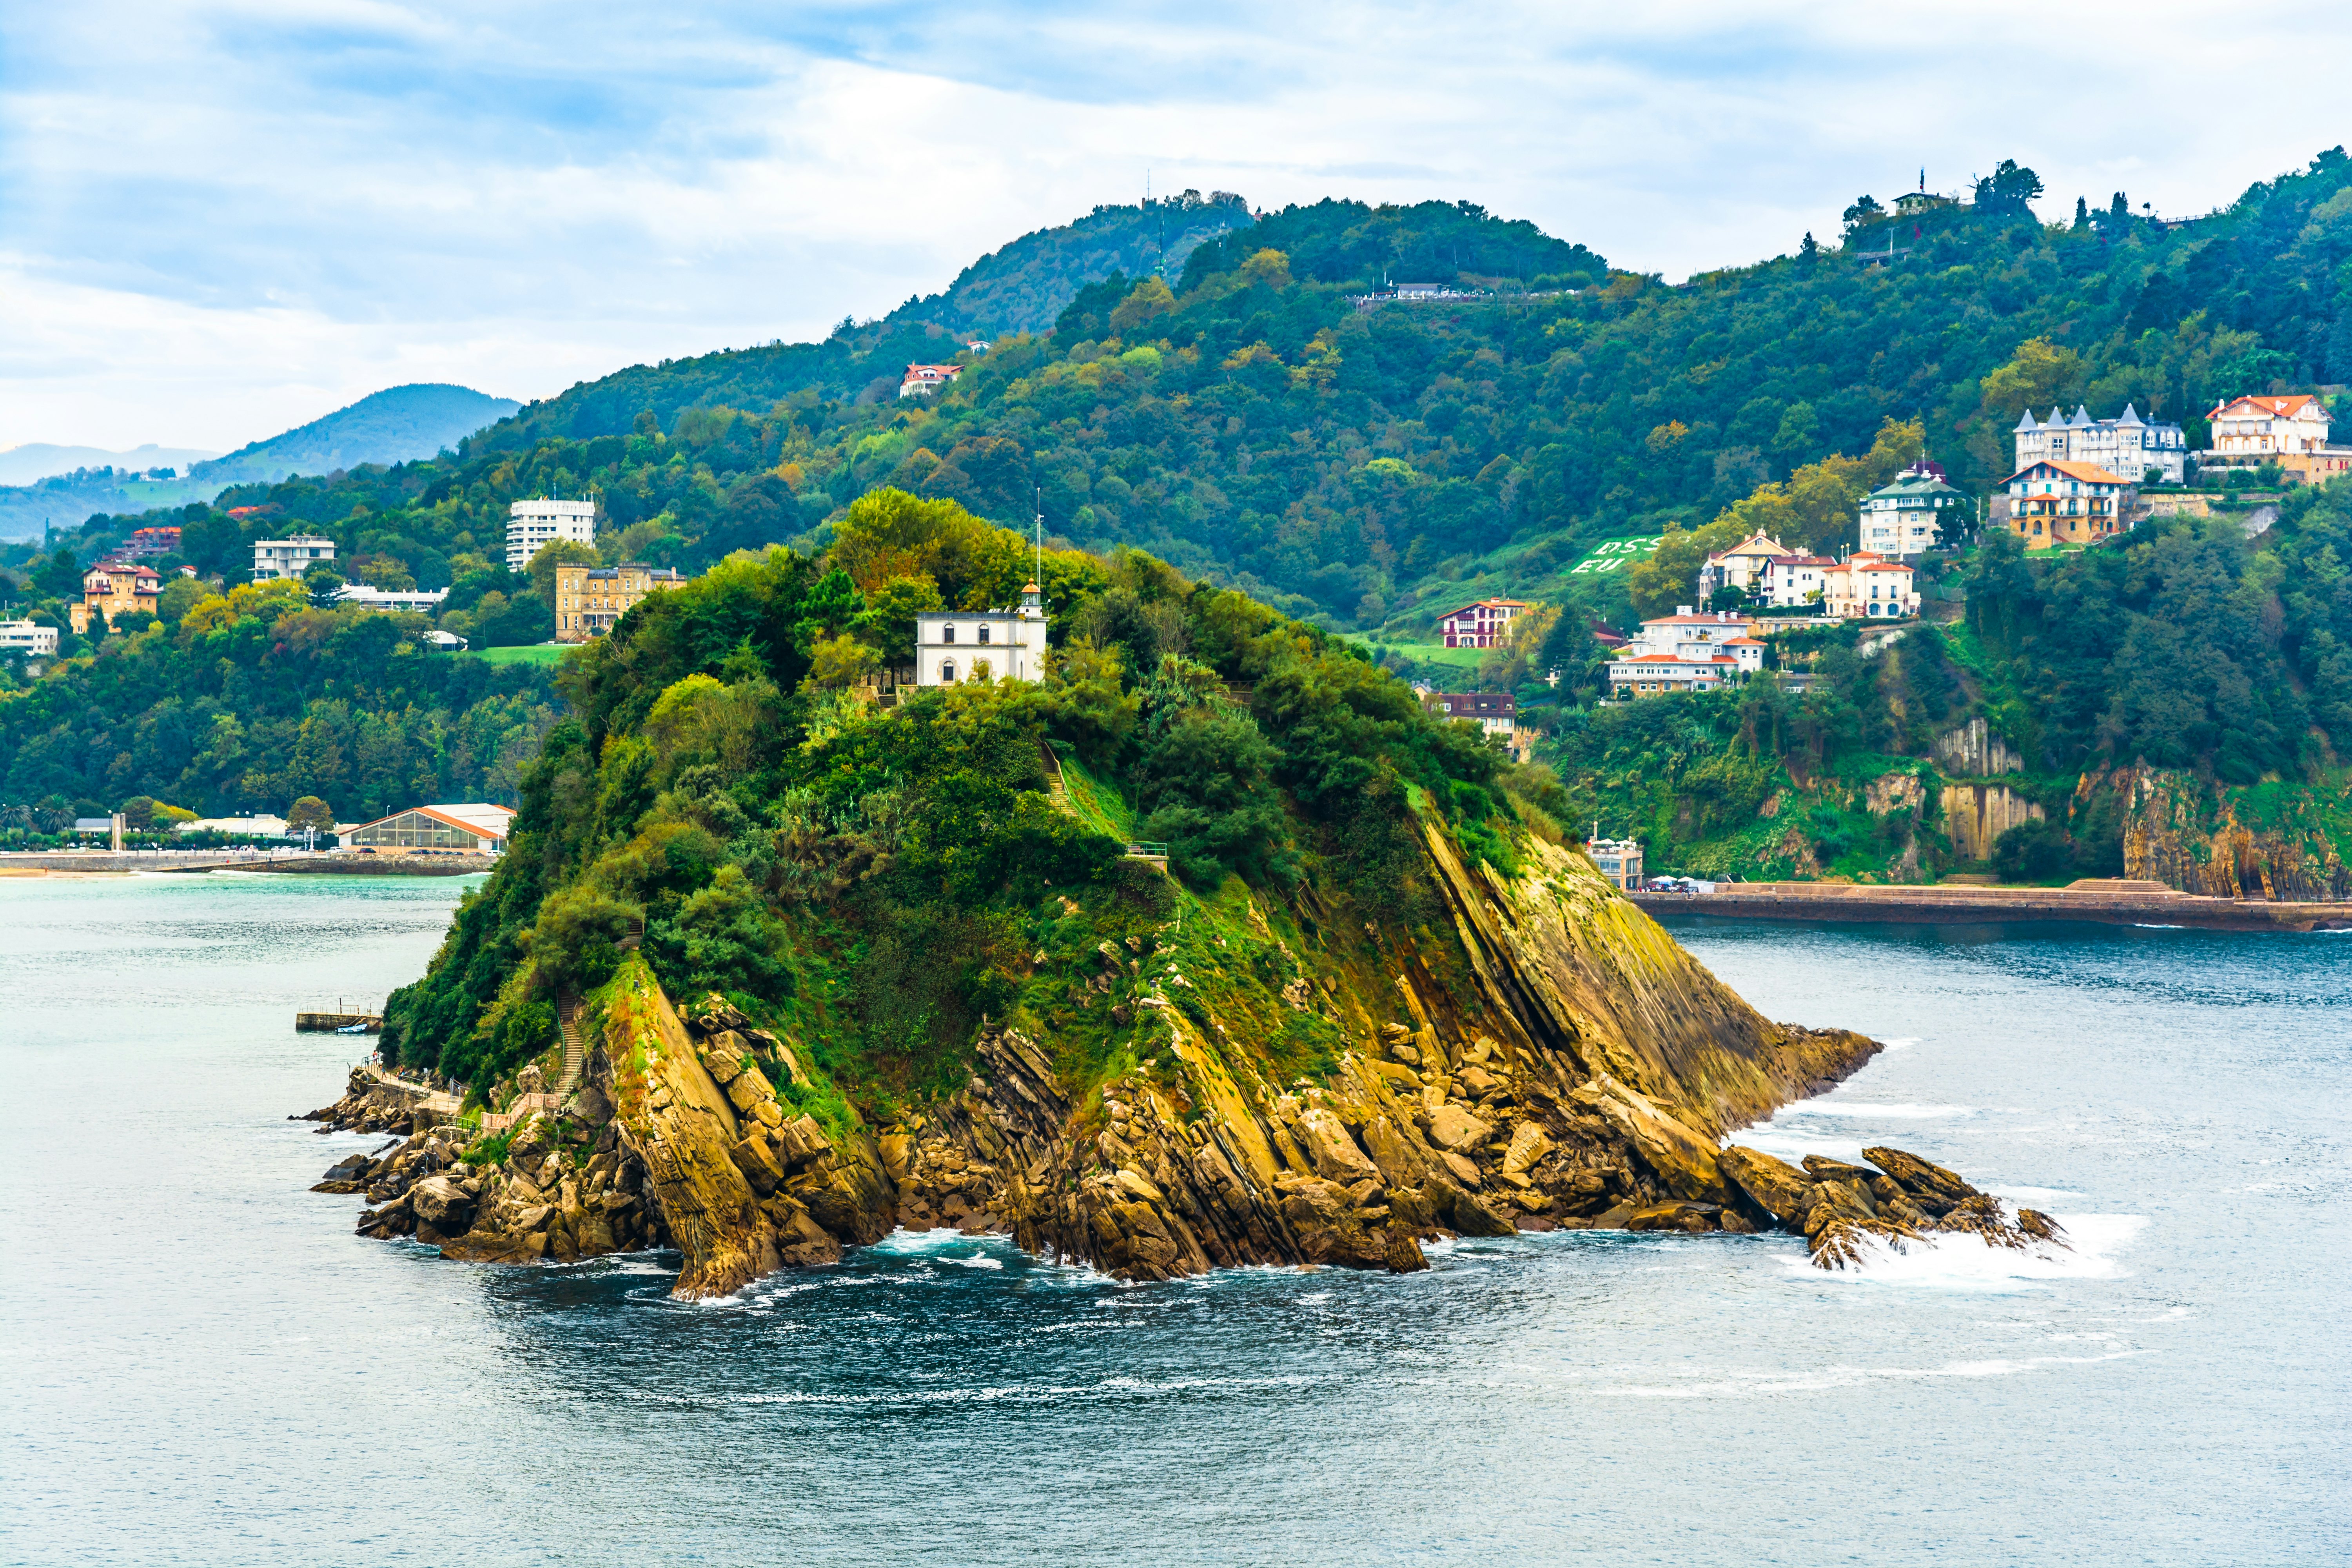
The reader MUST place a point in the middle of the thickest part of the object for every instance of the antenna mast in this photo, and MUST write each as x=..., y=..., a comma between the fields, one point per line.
x=1041, y=541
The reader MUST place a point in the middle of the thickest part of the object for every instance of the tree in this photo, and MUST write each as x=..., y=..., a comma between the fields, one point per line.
x=2006, y=191
x=1865, y=210
x=310, y=811
x=179, y=595
x=547, y=558
x=322, y=583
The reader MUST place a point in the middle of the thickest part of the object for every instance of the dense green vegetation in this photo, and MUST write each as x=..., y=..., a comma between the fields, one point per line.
x=2186, y=646
x=1249, y=423
x=883, y=877
x=252, y=700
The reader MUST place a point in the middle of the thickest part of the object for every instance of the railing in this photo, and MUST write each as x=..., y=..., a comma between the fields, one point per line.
x=1148, y=851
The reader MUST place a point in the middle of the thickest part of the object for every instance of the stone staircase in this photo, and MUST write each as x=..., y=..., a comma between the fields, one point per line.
x=575, y=1050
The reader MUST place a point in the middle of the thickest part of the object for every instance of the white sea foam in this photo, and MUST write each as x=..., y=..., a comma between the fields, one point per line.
x=2038, y=1198
x=1830, y=1377
x=977, y=1260
x=1965, y=1262
x=1901, y=1042
x=1895, y=1112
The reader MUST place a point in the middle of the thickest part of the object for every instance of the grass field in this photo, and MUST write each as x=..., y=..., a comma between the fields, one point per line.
x=538, y=653
x=1424, y=653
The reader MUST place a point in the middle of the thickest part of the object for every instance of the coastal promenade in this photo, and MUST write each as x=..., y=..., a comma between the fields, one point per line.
x=319, y=862
x=2108, y=902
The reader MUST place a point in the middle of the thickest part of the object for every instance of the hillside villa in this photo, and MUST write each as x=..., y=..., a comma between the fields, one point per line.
x=1618, y=859
x=591, y=600
x=1484, y=624
x=2054, y=502
x=1686, y=652
x=925, y=378
x=1743, y=566
x=1906, y=518
x=2128, y=446
x=112, y=588
x=2291, y=431
x=1495, y=712
x=955, y=646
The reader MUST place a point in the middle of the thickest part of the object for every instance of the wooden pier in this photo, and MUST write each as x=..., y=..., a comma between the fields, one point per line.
x=328, y=1023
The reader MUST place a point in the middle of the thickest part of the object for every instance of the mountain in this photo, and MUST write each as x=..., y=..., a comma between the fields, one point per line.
x=38, y=460
x=398, y=424
x=1023, y=287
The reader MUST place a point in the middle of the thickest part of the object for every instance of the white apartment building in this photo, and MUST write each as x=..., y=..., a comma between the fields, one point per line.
x=1686, y=652
x=418, y=599
x=289, y=557
x=2128, y=446
x=28, y=636
x=1906, y=517
x=955, y=646
x=531, y=523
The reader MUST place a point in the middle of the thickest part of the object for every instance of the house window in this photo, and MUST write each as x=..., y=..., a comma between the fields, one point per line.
x=983, y=634
x=947, y=671
x=947, y=633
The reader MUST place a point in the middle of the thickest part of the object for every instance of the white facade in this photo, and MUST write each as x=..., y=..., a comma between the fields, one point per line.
x=417, y=599
x=2267, y=426
x=1686, y=652
x=1618, y=859
x=1794, y=580
x=923, y=378
x=1907, y=517
x=950, y=645
x=28, y=636
x=531, y=523
x=2128, y=445
x=289, y=557
x=1867, y=586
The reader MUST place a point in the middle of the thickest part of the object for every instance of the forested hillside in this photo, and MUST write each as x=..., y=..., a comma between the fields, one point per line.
x=249, y=700
x=1251, y=422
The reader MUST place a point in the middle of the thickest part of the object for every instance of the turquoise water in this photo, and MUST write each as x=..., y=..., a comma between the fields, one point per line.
x=199, y=1364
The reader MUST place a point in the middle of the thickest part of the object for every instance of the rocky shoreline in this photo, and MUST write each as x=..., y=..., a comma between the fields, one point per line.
x=1358, y=1173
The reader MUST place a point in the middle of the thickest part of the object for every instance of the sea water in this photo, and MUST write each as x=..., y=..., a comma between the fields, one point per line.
x=199, y=1364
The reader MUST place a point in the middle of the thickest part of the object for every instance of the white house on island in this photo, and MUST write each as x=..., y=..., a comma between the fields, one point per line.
x=952, y=646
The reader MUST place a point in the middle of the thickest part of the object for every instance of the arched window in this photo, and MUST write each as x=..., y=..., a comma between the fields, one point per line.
x=947, y=673
x=983, y=634
x=947, y=633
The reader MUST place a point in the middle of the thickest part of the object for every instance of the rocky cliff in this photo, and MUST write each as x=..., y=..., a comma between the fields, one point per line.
x=1544, y=1058
x=2267, y=841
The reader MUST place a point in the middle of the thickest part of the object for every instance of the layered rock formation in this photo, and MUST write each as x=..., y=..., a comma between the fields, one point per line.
x=1840, y=1208
x=2228, y=843
x=1553, y=1061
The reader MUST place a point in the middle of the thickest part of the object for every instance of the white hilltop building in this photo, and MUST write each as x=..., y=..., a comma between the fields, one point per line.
x=2126, y=444
x=532, y=523
x=952, y=646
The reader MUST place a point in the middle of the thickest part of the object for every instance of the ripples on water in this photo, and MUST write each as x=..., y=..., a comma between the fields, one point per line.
x=200, y=1364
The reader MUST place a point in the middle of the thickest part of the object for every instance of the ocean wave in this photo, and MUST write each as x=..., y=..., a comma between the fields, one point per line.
x=1736, y=1384
x=1897, y=1112
x=1963, y=1262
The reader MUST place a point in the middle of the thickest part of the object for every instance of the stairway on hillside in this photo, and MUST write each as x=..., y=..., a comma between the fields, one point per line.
x=575, y=1050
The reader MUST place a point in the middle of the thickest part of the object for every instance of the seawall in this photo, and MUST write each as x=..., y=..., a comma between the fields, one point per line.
x=2107, y=902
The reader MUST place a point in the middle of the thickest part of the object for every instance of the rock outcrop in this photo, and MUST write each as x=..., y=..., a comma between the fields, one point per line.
x=1840, y=1208
x=1554, y=1061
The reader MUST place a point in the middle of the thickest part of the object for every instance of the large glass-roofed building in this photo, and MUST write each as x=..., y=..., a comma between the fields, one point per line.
x=436, y=830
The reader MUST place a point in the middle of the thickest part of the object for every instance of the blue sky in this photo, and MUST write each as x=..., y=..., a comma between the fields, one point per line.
x=224, y=219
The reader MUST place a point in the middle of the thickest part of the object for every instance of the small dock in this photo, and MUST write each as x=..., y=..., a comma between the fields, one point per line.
x=331, y=1023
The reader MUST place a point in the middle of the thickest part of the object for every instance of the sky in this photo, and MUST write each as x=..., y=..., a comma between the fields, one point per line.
x=220, y=220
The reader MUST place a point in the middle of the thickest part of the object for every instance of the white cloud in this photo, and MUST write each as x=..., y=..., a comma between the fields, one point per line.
x=230, y=219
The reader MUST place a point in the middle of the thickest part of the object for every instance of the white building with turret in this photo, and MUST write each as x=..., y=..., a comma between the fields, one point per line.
x=952, y=646
x=2127, y=446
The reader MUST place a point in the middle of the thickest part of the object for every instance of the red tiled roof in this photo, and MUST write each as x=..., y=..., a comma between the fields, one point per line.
x=2277, y=407
x=2089, y=473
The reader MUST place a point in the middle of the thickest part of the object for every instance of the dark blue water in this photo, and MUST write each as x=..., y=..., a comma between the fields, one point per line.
x=200, y=1364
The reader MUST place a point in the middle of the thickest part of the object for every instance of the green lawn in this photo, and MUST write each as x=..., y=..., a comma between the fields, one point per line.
x=1425, y=653
x=538, y=653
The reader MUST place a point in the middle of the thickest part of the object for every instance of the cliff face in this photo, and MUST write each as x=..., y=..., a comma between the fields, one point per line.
x=1547, y=1057
x=2272, y=841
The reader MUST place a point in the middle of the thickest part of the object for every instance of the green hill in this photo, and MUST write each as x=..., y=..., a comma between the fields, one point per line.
x=398, y=424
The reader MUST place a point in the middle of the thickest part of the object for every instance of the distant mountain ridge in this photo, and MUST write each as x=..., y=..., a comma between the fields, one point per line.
x=398, y=424
x=37, y=460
